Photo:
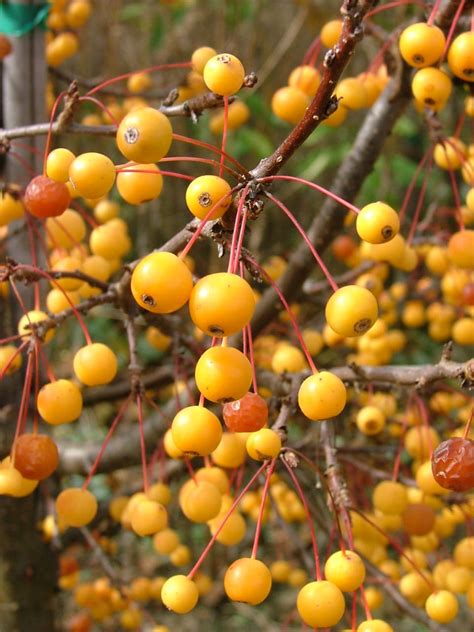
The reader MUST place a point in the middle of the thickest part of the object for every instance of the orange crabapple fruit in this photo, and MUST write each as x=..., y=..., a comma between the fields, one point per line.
x=144, y=135
x=346, y=570
x=351, y=310
x=461, y=249
x=45, y=197
x=179, y=594
x=148, y=517
x=58, y=163
x=320, y=604
x=331, y=32
x=450, y=153
x=322, y=396
x=442, y=606
x=431, y=87
x=248, y=580
x=263, y=444
x=205, y=192
x=200, y=501
x=196, y=431
x=95, y=364
x=422, y=44
x=221, y=304
x=290, y=104
x=223, y=374
x=247, y=414
x=36, y=456
x=224, y=74
x=305, y=78
x=9, y=359
x=76, y=507
x=59, y=402
x=461, y=56
x=33, y=317
x=92, y=175
x=161, y=283
x=377, y=223
x=374, y=625
x=11, y=207
x=138, y=183
x=201, y=56
x=230, y=452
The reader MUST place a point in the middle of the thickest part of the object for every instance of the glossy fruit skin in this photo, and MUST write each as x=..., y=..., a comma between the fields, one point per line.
x=305, y=78
x=201, y=56
x=351, y=310
x=36, y=456
x=149, y=517
x=461, y=56
x=6, y=353
x=422, y=44
x=92, y=175
x=374, y=625
x=223, y=374
x=452, y=464
x=442, y=606
x=370, y=420
x=224, y=74
x=461, y=249
x=331, y=32
x=11, y=208
x=390, y=497
x=248, y=580
x=247, y=414
x=179, y=594
x=346, y=570
x=320, y=604
x=322, y=396
x=59, y=402
x=46, y=198
x=377, y=223
x=205, y=192
x=57, y=164
x=431, y=87
x=196, y=431
x=230, y=452
x=32, y=317
x=200, y=501
x=139, y=183
x=66, y=231
x=161, y=283
x=77, y=507
x=418, y=519
x=290, y=104
x=221, y=304
x=95, y=364
x=264, y=444
x=144, y=135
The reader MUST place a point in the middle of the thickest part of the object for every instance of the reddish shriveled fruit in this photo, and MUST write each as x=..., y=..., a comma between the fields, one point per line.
x=418, y=519
x=452, y=464
x=468, y=294
x=45, y=197
x=36, y=456
x=248, y=414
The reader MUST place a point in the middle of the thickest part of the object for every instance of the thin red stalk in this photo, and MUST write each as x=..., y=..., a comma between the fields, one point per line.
x=261, y=511
x=113, y=80
x=23, y=162
x=110, y=432
x=316, y=50
x=368, y=614
x=233, y=256
x=434, y=11
x=157, y=408
x=291, y=316
x=49, y=370
x=452, y=29
x=354, y=612
x=467, y=429
x=248, y=329
x=240, y=241
x=459, y=126
x=25, y=395
x=26, y=147
x=224, y=135
x=237, y=500
x=102, y=107
x=36, y=388
x=54, y=109
x=393, y=5
x=85, y=215
x=173, y=174
x=207, y=161
x=317, y=563
x=213, y=148
x=316, y=187
x=309, y=52
x=189, y=467
x=204, y=221
x=4, y=341
x=142, y=441
x=420, y=201
x=412, y=184
x=457, y=199
x=34, y=260
x=306, y=239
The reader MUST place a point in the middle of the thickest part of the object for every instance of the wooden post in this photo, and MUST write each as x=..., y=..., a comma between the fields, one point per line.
x=28, y=567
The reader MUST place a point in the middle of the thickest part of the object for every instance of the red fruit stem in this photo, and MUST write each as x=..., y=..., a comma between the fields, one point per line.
x=413, y=181
x=207, y=161
x=393, y=5
x=317, y=187
x=291, y=316
x=142, y=441
x=204, y=221
x=157, y=173
x=224, y=135
x=54, y=109
x=457, y=199
x=313, y=58
x=34, y=260
x=158, y=408
x=47, y=366
x=310, y=50
x=23, y=162
x=237, y=500
x=458, y=128
x=363, y=598
x=354, y=612
x=467, y=429
x=110, y=432
x=240, y=241
x=85, y=215
x=190, y=469
x=101, y=106
x=420, y=201
x=261, y=511
x=306, y=239
x=25, y=396
x=36, y=387
x=14, y=338
x=248, y=330
x=209, y=147
x=108, y=82
x=26, y=147
x=433, y=13
x=314, y=541
x=235, y=234
x=452, y=29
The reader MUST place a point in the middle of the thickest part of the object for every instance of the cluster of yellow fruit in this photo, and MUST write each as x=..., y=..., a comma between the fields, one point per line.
x=423, y=46
x=290, y=102
x=64, y=19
